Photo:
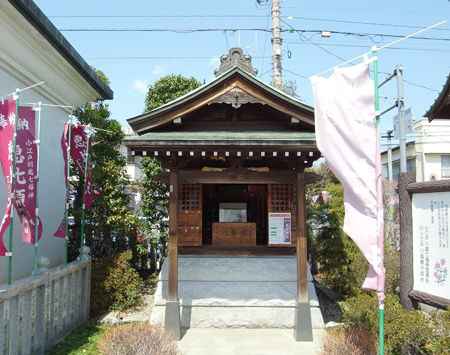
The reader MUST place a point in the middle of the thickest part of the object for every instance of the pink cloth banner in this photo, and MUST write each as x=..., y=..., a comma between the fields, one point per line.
x=347, y=136
x=78, y=147
x=26, y=169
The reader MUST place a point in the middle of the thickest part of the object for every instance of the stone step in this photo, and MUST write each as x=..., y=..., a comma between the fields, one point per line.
x=206, y=268
x=236, y=292
x=237, y=317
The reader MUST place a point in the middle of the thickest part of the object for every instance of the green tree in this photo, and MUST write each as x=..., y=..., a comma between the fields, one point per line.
x=111, y=225
x=167, y=89
x=335, y=257
x=154, y=207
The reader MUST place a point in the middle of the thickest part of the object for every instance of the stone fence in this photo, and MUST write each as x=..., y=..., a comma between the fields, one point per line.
x=38, y=311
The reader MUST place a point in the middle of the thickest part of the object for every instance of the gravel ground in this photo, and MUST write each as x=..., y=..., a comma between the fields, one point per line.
x=331, y=312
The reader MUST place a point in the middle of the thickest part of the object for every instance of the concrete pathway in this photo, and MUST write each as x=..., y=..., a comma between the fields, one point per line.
x=211, y=341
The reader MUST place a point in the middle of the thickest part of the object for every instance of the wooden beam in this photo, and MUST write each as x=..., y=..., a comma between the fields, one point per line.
x=406, y=240
x=173, y=239
x=311, y=178
x=238, y=176
x=302, y=254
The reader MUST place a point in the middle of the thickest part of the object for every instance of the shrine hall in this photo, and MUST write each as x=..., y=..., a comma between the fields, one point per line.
x=235, y=150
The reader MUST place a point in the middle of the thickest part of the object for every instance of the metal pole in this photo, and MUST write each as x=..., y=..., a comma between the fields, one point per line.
x=401, y=117
x=66, y=238
x=377, y=113
x=83, y=211
x=36, y=221
x=389, y=136
x=12, y=196
x=276, y=44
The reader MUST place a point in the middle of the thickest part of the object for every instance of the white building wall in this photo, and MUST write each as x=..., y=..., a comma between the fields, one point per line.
x=432, y=141
x=27, y=58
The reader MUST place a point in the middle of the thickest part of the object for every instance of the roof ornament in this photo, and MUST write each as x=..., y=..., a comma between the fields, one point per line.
x=235, y=58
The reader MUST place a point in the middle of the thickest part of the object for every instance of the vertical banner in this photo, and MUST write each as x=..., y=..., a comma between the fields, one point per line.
x=25, y=169
x=78, y=148
x=347, y=136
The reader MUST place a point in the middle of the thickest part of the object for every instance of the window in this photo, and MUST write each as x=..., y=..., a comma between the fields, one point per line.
x=445, y=166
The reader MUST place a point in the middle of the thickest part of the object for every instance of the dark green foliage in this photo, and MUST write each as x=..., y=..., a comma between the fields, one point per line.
x=154, y=207
x=414, y=330
x=114, y=284
x=167, y=89
x=110, y=226
x=336, y=258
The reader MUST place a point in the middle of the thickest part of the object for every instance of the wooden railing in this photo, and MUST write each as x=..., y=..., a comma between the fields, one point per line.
x=38, y=311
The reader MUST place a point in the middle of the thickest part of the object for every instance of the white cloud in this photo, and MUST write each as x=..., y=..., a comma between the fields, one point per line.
x=214, y=62
x=157, y=70
x=140, y=86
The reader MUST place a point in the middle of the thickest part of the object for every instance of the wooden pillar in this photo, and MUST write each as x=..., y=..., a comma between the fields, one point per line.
x=406, y=240
x=173, y=242
x=302, y=254
x=303, y=324
x=172, y=315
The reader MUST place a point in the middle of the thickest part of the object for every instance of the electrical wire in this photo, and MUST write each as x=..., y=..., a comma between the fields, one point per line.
x=292, y=29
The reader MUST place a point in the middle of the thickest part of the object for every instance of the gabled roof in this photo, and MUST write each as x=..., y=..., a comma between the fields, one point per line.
x=217, y=88
x=441, y=106
x=42, y=24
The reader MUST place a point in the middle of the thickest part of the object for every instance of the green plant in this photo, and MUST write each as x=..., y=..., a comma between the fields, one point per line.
x=82, y=341
x=114, y=284
x=413, y=331
x=337, y=259
x=137, y=339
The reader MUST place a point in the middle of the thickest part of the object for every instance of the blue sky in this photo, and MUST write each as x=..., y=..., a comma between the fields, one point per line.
x=134, y=59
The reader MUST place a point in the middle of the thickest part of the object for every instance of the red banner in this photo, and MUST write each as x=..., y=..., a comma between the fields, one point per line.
x=78, y=147
x=25, y=169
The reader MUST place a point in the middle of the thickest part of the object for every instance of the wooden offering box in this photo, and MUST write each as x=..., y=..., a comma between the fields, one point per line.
x=234, y=234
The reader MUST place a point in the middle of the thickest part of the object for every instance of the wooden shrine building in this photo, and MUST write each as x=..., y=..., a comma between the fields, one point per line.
x=236, y=150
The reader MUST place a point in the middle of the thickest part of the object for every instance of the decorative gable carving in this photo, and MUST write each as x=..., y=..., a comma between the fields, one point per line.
x=236, y=58
x=236, y=97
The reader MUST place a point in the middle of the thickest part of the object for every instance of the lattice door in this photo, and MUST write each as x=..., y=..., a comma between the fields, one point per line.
x=281, y=199
x=190, y=215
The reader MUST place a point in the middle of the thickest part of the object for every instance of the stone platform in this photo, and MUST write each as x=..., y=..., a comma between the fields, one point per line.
x=236, y=292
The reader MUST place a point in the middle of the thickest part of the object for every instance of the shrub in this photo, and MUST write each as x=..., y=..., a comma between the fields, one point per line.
x=114, y=284
x=346, y=342
x=137, y=339
x=415, y=331
x=340, y=264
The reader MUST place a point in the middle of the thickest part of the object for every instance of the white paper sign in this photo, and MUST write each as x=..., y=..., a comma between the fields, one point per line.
x=279, y=228
x=431, y=251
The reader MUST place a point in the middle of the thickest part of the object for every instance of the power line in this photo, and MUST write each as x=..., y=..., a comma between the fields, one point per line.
x=301, y=42
x=360, y=22
x=244, y=16
x=193, y=30
x=360, y=10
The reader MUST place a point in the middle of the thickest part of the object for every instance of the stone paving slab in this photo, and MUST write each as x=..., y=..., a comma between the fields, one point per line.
x=247, y=342
x=280, y=268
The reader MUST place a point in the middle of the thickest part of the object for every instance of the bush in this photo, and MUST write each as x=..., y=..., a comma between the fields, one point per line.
x=114, y=284
x=345, y=342
x=340, y=264
x=137, y=339
x=415, y=331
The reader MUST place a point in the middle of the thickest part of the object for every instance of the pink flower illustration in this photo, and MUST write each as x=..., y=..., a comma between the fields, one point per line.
x=440, y=272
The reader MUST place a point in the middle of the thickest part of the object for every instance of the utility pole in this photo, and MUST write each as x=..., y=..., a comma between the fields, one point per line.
x=401, y=117
x=276, y=44
x=389, y=136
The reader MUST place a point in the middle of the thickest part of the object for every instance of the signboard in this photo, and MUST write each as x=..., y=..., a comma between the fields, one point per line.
x=431, y=253
x=409, y=126
x=279, y=228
